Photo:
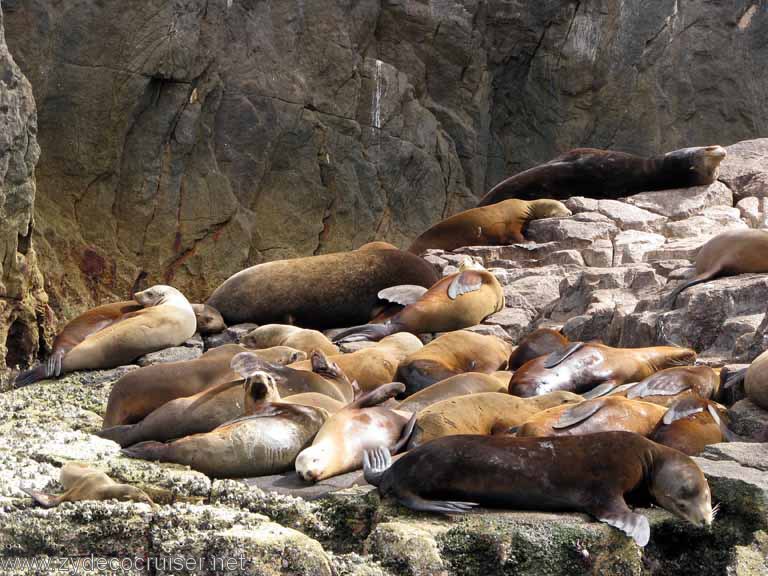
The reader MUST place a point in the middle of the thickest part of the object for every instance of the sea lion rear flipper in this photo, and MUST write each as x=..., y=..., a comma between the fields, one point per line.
x=375, y=463
x=45, y=500
x=405, y=435
x=443, y=506
x=466, y=282
x=377, y=396
x=54, y=364
x=659, y=384
x=31, y=376
x=403, y=294
x=578, y=413
x=634, y=525
x=556, y=358
x=122, y=434
x=603, y=390
x=735, y=378
x=372, y=332
x=683, y=408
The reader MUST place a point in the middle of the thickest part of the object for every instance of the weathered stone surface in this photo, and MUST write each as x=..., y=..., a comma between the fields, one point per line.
x=746, y=173
x=684, y=202
x=749, y=420
x=174, y=354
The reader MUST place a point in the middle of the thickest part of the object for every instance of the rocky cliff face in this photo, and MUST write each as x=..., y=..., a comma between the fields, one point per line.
x=24, y=315
x=185, y=140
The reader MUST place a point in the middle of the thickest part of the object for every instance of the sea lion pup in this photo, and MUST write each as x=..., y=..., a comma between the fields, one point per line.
x=540, y=342
x=494, y=225
x=583, y=366
x=457, y=301
x=481, y=413
x=326, y=291
x=728, y=254
x=450, y=354
x=286, y=335
x=454, y=474
x=376, y=365
x=599, y=415
x=609, y=174
x=209, y=320
x=691, y=424
x=459, y=385
x=359, y=426
x=83, y=483
x=139, y=392
x=666, y=387
x=113, y=336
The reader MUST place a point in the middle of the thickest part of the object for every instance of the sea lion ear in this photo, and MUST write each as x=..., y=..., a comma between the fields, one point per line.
x=579, y=413
x=682, y=409
x=403, y=294
x=556, y=358
x=465, y=283
x=247, y=364
x=635, y=526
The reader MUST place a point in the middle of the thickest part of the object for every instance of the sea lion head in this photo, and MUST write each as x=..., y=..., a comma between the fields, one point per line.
x=161, y=294
x=209, y=320
x=704, y=161
x=260, y=387
x=312, y=462
x=679, y=486
x=128, y=493
x=547, y=208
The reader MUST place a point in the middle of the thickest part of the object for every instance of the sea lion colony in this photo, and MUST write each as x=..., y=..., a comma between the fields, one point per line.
x=481, y=421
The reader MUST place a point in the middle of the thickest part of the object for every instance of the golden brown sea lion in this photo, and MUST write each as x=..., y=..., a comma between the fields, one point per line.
x=692, y=424
x=378, y=245
x=541, y=342
x=327, y=291
x=728, y=254
x=499, y=224
x=481, y=413
x=457, y=301
x=359, y=426
x=584, y=474
x=450, y=354
x=83, y=483
x=583, y=366
x=166, y=319
x=286, y=335
x=459, y=385
x=609, y=174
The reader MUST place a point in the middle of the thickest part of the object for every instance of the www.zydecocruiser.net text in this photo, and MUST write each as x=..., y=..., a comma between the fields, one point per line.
x=90, y=564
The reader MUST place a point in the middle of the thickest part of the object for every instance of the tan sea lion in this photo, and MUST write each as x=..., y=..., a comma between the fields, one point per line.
x=600, y=174
x=481, y=413
x=588, y=474
x=613, y=413
x=459, y=385
x=457, y=301
x=498, y=224
x=326, y=291
x=166, y=319
x=141, y=391
x=583, y=366
x=691, y=424
x=450, y=354
x=541, y=342
x=359, y=426
x=83, y=483
x=209, y=320
x=292, y=336
x=378, y=245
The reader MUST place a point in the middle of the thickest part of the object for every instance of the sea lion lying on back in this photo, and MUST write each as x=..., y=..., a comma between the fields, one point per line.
x=499, y=224
x=609, y=174
x=326, y=291
x=583, y=366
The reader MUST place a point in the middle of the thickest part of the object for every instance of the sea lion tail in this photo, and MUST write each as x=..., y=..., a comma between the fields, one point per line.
x=371, y=332
x=375, y=463
x=32, y=375
x=45, y=500
x=122, y=434
x=150, y=450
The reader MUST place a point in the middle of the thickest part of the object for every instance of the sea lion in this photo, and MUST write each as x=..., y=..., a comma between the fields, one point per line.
x=587, y=474
x=141, y=391
x=359, y=426
x=83, y=483
x=540, y=342
x=292, y=336
x=260, y=444
x=692, y=424
x=378, y=245
x=457, y=301
x=326, y=291
x=166, y=319
x=583, y=366
x=599, y=415
x=481, y=413
x=450, y=354
x=729, y=254
x=609, y=174
x=209, y=320
x=753, y=378
x=376, y=365
x=459, y=385
x=498, y=224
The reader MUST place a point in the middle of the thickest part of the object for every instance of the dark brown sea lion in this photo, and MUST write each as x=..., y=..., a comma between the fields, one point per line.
x=540, y=342
x=499, y=224
x=83, y=483
x=583, y=366
x=691, y=424
x=292, y=336
x=209, y=320
x=459, y=385
x=327, y=291
x=165, y=319
x=609, y=174
x=450, y=354
x=728, y=254
x=457, y=301
x=457, y=473
x=613, y=413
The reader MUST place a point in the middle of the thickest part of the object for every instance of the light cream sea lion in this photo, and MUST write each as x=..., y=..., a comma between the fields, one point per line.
x=459, y=385
x=359, y=426
x=166, y=320
x=292, y=336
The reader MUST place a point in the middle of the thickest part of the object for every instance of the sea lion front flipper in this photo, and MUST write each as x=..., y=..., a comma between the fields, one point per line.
x=735, y=378
x=633, y=525
x=403, y=294
x=469, y=281
x=45, y=500
x=370, y=332
x=405, y=435
x=556, y=358
x=246, y=364
x=683, y=408
x=659, y=384
x=54, y=364
x=578, y=413
x=603, y=390
x=375, y=463
x=443, y=506
x=122, y=434
x=377, y=396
